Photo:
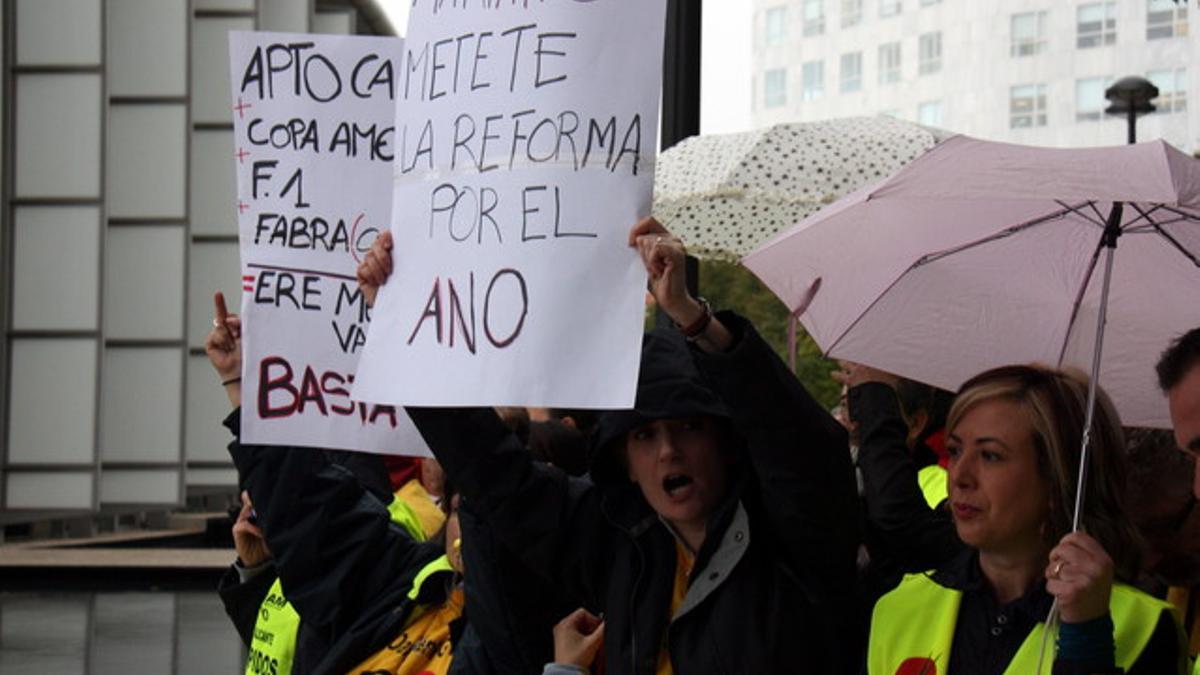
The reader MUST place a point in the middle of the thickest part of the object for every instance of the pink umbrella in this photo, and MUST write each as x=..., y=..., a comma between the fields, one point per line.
x=979, y=254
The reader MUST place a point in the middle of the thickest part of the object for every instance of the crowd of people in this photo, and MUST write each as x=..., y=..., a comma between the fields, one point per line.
x=715, y=527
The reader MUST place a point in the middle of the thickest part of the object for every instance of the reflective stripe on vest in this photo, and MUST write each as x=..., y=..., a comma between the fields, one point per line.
x=441, y=564
x=403, y=515
x=932, y=480
x=900, y=644
x=274, y=643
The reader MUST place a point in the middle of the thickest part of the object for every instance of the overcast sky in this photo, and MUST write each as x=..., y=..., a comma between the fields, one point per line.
x=724, y=65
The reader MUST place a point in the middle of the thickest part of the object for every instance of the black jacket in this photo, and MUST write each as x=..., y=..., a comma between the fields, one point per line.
x=770, y=587
x=346, y=567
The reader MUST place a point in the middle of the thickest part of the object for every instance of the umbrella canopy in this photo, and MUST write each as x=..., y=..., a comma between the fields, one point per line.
x=980, y=254
x=724, y=194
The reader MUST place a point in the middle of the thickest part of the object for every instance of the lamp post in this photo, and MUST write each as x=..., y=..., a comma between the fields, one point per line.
x=1131, y=96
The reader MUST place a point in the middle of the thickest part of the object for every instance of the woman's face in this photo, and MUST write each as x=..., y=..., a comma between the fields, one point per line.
x=998, y=496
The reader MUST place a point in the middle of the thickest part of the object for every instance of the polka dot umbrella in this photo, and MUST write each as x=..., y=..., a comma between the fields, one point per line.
x=724, y=194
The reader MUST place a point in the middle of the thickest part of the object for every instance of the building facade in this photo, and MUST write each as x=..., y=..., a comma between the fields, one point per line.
x=1024, y=71
x=117, y=223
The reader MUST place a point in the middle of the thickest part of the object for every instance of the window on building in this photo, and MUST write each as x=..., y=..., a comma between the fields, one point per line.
x=929, y=56
x=1089, y=98
x=926, y=3
x=929, y=113
x=775, y=28
x=889, y=7
x=1172, y=89
x=812, y=80
x=852, y=11
x=814, y=17
x=889, y=62
x=851, y=72
x=1096, y=25
x=1165, y=19
x=1028, y=33
x=1027, y=106
x=775, y=87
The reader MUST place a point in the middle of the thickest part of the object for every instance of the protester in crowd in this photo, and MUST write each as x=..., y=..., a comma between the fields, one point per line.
x=720, y=532
x=1179, y=377
x=557, y=443
x=1014, y=438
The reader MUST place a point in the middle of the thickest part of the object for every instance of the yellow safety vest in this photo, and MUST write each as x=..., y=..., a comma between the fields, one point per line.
x=897, y=638
x=932, y=479
x=274, y=644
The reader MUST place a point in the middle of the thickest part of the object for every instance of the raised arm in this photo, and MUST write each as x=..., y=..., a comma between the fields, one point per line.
x=797, y=450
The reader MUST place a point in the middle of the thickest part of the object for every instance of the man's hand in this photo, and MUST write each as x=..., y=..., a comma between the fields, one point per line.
x=375, y=267
x=248, y=538
x=224, y=349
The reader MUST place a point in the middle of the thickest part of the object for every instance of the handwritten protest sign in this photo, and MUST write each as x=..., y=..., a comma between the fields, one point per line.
x=314, y=140
x=525, y=141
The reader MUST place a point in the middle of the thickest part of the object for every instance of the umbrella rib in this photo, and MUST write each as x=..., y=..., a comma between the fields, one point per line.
x=1009, y=231
x=1179, y=247
x=1099, y=221
x=1087, y=279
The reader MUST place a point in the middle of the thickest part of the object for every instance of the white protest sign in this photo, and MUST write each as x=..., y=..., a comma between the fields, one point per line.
x=526, y=133
x=314, y=141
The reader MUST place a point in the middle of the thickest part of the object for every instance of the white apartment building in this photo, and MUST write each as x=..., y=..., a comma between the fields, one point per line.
x=1023, y=71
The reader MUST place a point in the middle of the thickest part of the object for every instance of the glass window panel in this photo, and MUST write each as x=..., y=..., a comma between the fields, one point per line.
x=210, y=68
x=143, y=289
x=775, y=26
x=147, y=47
x=851, y=13
x=284, y=16
x=889, y=7
x=141, y=405
x=812, y=77
x=44, y=633
x=207, y=645
x=1172, y=89
x=851, y=72
x=58, y=136
x=1028, y=33
x=211, y=267
x=133, y=633
x=333, y=23
x=1089, y=98
x=889, y=63
x=48, y=294
x=147, y=155
x=930, y=56
x=226, y=5
x=48, y=490
x=145, y=486
x=214, y=183
x=1165, y=19
x=52, y=404
x=1027, y=106
x=58, y=32
x=207, y=406
x=930, y=113
x=814, y=17
x=775, y=87
x=1096, y=25
x=212, y=477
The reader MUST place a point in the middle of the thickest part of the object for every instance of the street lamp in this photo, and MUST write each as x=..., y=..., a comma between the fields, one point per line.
x=1131, y=96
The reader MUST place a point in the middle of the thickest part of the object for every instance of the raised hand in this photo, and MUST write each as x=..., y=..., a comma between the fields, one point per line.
x=578, y=637
x=376, y=267
x=224, y=348
x=248, y=537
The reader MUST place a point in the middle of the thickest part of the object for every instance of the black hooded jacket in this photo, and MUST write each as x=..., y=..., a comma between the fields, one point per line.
x=771, y=585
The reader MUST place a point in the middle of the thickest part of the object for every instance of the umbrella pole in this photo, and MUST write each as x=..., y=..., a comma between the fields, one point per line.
x=1112, y=230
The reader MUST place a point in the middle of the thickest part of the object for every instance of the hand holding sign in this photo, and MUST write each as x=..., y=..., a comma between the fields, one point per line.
x=224, y=348
x=376, y=267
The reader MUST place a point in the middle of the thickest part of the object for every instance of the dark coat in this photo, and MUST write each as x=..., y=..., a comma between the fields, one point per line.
x=771, y=585
x=345, y=566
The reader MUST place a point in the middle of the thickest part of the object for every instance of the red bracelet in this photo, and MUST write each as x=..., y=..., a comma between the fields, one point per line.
x=696, y=328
